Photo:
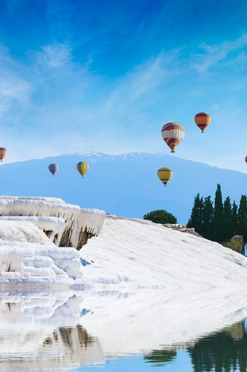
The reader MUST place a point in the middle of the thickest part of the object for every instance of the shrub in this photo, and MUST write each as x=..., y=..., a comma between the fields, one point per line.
x=160, y=216
x=234, y=244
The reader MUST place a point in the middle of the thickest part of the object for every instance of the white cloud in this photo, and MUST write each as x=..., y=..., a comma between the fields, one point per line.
x=14, y=87
x=131, y=91
x=54, y=56
x=209, y=56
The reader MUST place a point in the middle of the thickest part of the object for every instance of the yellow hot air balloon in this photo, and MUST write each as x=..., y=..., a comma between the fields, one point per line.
x=82, y=167
x=202, y=120
x=172, y=134
x=165, y=174
x=3, y=153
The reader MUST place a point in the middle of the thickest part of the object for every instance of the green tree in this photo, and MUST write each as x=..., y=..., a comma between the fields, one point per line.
x=234, y=219
x=227, y=218
x=207, y=218
x=242, y=217
x=195, y=219
x=160, y=216
x=218, y=225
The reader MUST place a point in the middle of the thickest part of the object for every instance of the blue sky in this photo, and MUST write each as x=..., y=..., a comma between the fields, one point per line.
x=106, y=75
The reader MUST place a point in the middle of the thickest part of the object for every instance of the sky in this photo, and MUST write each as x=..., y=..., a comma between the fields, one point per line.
x=105, y=76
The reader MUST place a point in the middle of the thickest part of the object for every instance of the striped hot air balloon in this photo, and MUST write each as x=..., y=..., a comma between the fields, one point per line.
x=82, y=167
x=165, y=174
x=202, y=120
x=53, y=168
x=172, y=134
x=3, y=153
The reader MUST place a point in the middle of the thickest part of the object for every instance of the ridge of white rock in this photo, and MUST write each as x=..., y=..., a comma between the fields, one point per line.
x=40, y=239
x=26, y=261
x=65, y=224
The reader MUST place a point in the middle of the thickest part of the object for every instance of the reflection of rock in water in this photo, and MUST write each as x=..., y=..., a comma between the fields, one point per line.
x=63, y=346
x=31, y=335
x=84, y=339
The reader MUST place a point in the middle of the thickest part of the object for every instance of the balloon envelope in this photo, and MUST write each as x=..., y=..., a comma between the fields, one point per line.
x=202, y=120
x=165, y=174
x=3, y=153
x=82, y=167
x=245, y=159
x=53, y=168
x=172, y=134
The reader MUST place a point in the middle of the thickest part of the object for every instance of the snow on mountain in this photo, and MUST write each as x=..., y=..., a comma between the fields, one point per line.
x=124, y=185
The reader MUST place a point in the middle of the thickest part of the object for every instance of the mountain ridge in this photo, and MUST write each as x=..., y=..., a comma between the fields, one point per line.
x=126, y=184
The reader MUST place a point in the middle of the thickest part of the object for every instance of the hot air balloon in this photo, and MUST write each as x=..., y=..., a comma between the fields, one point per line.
x=165, y=174
x=202, y=120
x=82, y=167
x=172, y=134
x=53, y=168
x=245, y=159
x=3, y=153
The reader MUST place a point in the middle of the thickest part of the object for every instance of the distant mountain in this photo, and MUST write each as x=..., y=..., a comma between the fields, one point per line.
x=124, y=185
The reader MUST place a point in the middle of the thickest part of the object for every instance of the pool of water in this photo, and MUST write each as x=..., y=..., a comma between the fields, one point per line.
x=116, y=332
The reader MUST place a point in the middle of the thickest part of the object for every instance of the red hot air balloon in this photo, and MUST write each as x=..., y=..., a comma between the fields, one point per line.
x=202, y=120
x=172, y=134
x=3, y=153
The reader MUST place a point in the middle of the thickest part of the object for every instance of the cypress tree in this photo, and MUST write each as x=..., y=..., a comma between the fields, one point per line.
x=227, y=213
x=207, y=218
x=218, y=216
x=195, y=219
x=234, y=219
x=242, y=217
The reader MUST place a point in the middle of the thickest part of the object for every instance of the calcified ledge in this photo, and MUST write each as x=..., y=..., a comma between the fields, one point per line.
x=64, y=224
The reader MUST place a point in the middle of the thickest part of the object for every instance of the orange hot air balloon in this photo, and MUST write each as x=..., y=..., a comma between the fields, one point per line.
x=172, y=134
x=202, y=120
x=3, y=153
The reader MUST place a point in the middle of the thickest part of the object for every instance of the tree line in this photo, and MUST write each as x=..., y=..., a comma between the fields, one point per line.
x=219, y=220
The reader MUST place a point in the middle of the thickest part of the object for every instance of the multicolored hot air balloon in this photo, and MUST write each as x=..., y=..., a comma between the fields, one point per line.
x=165, y=174
x=53, y=168
x=202, y=120
x=3, y=153
x=82, y=167
x=172, y=134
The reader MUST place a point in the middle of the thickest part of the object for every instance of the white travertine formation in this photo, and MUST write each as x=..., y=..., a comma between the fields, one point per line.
x=28, y=262
x=65, y=224
x=39, y=242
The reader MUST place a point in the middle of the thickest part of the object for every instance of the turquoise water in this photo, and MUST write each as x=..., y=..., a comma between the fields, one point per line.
x=43, y=333
x=180, y=363
x=224, y=351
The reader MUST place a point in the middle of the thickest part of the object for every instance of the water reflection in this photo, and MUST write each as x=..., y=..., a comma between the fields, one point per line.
x=43, y=331
x=222, y=351
x=160, y=357
x=67, y=330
